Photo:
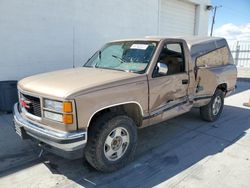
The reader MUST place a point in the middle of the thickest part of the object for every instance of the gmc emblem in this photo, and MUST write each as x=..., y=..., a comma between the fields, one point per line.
x=25, y=103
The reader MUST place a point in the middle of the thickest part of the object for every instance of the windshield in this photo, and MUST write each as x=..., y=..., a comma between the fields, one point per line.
x=129, y=56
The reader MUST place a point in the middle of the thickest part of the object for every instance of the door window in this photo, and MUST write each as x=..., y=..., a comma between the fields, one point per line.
x=171, y=57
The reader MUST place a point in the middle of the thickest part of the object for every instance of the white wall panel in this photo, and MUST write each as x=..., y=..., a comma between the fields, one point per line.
x=177, y=18
x=45, y=35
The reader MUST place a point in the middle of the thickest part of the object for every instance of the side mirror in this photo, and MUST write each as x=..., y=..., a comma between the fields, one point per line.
x=162, y=68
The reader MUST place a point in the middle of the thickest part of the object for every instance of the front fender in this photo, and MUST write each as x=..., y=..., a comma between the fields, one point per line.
x=89, y=104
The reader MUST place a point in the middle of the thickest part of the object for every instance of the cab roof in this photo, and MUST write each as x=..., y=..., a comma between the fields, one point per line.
x=196, y=44
x=191, y=40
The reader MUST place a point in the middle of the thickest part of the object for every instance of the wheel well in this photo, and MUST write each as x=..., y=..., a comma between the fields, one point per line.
x=222, y=87
x=132, y=110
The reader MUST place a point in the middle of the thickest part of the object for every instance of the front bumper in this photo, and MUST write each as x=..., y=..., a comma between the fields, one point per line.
x=66, y=144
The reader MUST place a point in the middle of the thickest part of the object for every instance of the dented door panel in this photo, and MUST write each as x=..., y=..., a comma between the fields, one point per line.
x=165, y=92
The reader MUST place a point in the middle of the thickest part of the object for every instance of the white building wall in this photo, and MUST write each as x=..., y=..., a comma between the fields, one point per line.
x=35, y=36
x=45, y=35
x=177, y=18
x=97, y=22
x=201, y=19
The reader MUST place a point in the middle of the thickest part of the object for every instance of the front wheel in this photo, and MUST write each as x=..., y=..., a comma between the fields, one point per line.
x=112, y=142
x=213, y=109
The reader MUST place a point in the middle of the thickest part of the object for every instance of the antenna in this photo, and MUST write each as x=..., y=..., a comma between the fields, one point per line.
x=212, y=27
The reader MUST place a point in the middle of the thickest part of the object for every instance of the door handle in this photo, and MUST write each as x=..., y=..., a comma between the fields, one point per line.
x=184, y=81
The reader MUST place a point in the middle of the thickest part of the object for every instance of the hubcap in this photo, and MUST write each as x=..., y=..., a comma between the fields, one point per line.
x=116, y=144
x=217, y=105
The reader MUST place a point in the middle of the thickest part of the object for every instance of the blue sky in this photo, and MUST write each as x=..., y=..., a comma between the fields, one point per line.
x=232, y=11
x=232, y=19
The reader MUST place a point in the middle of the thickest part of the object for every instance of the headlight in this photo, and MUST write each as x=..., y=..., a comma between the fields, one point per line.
x=53, y=116
x=58, y=106
x=58, y=111
x=63, y=118
x=53, y=105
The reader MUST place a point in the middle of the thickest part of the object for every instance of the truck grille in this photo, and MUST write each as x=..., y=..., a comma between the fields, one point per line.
x=31, y=104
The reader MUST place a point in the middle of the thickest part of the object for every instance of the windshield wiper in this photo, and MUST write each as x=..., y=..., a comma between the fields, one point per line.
x=100, y=57
x=120, y=59
x=109, y=68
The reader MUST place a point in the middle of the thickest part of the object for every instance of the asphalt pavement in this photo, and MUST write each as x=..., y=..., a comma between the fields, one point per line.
x=181, y=152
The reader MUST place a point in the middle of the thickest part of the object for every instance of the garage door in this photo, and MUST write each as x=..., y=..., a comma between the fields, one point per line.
x=177, y=17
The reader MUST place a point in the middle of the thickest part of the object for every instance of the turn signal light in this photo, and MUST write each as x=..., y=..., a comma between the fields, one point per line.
x=67, y=107
x=68, y=118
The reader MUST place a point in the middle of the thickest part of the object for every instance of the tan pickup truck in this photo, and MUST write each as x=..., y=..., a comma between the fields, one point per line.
x=95, y=110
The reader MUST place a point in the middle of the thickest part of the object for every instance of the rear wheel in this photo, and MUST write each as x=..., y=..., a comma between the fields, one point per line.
x=213, y=109
x=112, y=142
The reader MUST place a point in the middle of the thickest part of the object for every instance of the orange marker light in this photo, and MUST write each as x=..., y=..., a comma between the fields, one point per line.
x=68, y=118
x=67, y=107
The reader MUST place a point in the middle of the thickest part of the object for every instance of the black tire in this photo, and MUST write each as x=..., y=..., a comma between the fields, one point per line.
x=206, y=112
x=99, y=132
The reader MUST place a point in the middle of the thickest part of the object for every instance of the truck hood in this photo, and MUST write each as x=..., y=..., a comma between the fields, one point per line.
x=65, y=83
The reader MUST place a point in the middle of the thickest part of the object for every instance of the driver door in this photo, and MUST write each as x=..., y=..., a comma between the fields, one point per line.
x=168, y=90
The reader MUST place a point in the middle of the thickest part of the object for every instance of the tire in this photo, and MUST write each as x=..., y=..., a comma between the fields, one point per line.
x=212, y=111
x=111, y=143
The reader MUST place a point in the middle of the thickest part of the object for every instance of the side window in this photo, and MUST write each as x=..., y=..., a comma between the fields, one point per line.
x=215, y=58
x=171, y=57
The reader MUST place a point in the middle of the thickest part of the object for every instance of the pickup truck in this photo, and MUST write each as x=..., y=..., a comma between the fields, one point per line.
x=95, y=111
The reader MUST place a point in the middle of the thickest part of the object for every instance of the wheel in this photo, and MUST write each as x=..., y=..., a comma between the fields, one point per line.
x=111, y=143
x=213, y=109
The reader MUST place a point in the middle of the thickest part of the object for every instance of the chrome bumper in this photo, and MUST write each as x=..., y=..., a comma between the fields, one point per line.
x=56, y=141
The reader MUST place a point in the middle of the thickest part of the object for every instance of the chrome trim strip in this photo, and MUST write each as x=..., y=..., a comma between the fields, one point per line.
x=203, y=97
x=166, y=108
x=31, y=116
x=117, y=104
x=58, y=135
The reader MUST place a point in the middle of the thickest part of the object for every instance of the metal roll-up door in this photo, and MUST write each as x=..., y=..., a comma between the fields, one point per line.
x=177, y=17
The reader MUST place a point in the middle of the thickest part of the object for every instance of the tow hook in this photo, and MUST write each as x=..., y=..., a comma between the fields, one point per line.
x=41, y=152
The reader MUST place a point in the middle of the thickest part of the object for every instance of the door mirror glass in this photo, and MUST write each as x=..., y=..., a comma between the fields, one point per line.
x=162, y=68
